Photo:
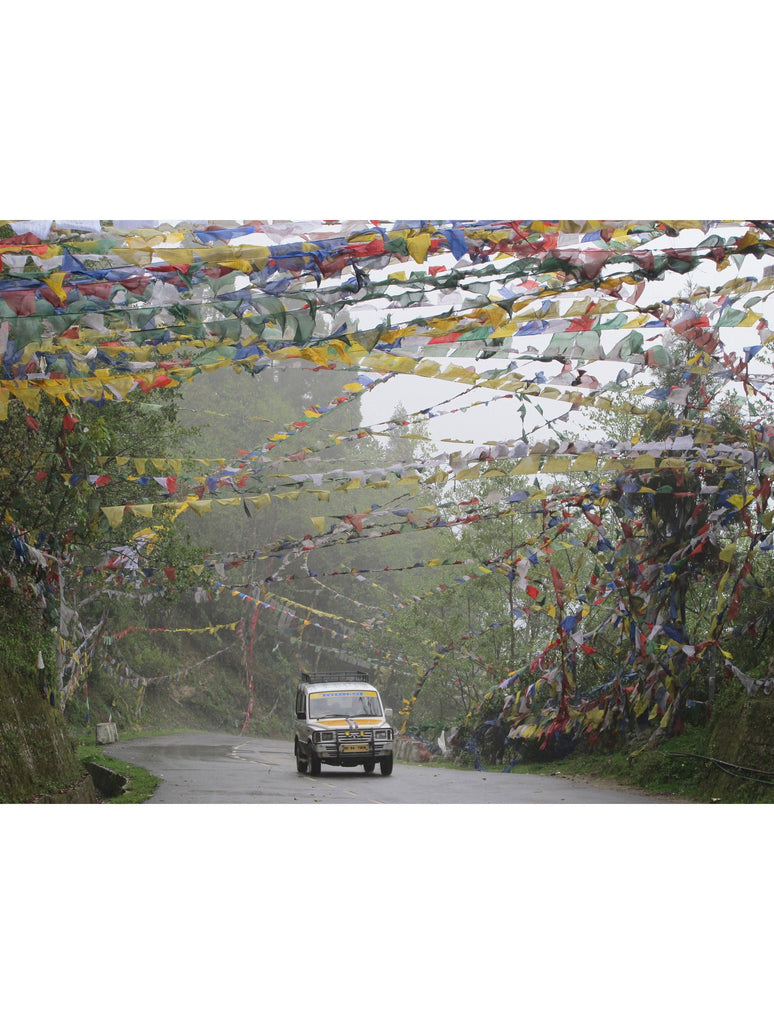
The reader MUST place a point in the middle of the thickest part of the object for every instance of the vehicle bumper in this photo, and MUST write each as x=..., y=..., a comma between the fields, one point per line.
x=338, y=754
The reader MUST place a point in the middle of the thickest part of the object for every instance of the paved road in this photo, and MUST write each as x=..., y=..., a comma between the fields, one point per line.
x=205, y=768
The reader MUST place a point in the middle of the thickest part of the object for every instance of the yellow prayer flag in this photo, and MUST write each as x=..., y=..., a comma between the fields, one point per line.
x=426, y=368
x=29, y=395
x=244, y=265
x=418, y=245
x=585, y=462
x=122, y=384
x=137, y=257
x=529, y=464
x=457, y=372
x=114, y=514
x=402, y=364
x=143, y=239
x=258, y=255
x=556, y=464
x=317, y=354
x=54, y=282
x=259, y=501
x=141, y=511
x=495, y=315
x=727, y=554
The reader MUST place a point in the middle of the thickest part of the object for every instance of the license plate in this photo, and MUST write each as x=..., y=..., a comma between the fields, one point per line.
x=354, y=748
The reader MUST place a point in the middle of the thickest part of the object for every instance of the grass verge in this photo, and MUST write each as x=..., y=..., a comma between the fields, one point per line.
x=142, y=784
x=662, y=771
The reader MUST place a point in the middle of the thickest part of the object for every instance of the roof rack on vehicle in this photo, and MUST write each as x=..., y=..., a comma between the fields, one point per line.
x=334, y=677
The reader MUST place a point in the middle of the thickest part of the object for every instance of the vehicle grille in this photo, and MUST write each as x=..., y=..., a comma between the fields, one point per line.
x=355, y=735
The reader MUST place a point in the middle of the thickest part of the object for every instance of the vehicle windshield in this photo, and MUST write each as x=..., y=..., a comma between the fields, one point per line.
x=344, y=704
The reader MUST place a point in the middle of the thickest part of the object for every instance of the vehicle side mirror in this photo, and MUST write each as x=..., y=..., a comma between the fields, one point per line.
x=300, y=714
x=388, y=712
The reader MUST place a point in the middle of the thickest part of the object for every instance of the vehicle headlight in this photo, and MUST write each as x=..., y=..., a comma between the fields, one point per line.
x=324, y=737
x=383, y=734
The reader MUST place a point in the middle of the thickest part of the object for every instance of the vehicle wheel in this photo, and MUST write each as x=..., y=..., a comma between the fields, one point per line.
x=369, y=766
x=300, y=762
x=386, y=765
x=314, y=763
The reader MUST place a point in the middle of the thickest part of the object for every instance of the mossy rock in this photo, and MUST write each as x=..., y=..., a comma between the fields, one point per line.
x=37, y=759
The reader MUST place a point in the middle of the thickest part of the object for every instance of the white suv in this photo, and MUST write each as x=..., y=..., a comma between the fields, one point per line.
x=340, y=720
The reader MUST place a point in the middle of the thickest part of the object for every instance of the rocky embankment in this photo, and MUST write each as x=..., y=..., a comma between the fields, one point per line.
x=37, y=760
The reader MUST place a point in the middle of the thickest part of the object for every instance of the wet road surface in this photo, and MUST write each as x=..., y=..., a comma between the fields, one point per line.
x=207, y=768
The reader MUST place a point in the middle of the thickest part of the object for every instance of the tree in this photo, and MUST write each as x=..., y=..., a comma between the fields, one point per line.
x=61, y=467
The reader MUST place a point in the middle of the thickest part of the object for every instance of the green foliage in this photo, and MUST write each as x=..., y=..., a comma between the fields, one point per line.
x=41, y=466
x=24, y=631
x=662, y=770
x=729, y=700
